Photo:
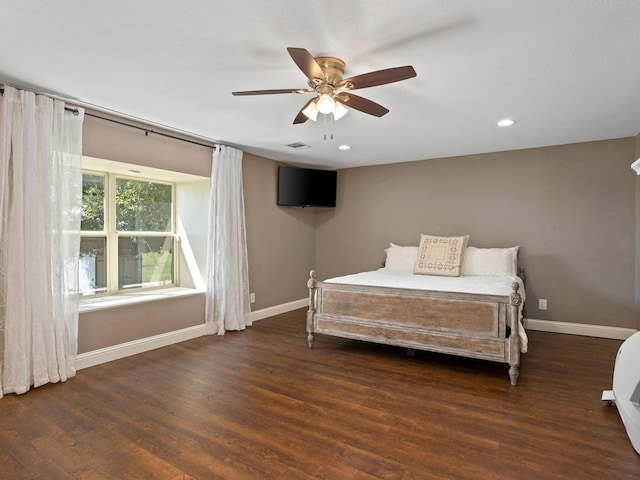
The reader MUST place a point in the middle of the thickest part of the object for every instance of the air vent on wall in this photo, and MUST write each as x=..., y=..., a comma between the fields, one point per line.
x=298, y=145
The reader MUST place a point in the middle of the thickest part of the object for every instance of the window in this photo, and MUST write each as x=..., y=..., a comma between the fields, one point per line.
x=128, y=234
x=93, y=239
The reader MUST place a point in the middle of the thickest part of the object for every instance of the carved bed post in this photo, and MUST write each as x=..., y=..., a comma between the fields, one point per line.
x=523, y=277
x=312, y=307
x=514, y=339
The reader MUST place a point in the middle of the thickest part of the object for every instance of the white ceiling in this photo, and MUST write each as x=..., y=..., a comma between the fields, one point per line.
x=566, y=70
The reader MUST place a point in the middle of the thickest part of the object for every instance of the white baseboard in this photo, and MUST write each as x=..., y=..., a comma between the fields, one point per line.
x=583, y=329
x=278, y=309
x=115, y=352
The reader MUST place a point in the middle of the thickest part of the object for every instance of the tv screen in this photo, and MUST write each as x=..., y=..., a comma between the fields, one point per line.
x=305, y=187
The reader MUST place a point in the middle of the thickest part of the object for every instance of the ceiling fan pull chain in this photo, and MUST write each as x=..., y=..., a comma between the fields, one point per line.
x=324, y=122
x=328, y=125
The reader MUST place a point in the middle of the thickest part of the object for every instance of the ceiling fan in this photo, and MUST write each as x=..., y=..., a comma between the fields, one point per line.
x=332, y=92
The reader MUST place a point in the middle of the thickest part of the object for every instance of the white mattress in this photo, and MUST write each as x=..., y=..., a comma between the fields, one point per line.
x=470, y=284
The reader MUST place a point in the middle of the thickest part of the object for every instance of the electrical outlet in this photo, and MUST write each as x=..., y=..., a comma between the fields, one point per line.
x=542, y=304
x=252, y=297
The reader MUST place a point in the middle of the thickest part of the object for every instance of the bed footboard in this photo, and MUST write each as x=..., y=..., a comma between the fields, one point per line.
x=471, y=325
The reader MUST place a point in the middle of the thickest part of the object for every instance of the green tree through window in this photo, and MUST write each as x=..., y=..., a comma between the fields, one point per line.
x=92, y=203
x=143, y=206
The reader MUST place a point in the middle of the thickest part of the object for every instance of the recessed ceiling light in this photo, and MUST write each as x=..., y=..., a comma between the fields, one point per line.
x=507, y=122
x=344, y=147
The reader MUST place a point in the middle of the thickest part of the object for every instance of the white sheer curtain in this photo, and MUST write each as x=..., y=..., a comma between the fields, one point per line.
x=40, y=195
x=227, y=306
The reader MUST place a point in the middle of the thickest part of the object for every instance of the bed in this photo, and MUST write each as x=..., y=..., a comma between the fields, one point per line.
x=475, y=312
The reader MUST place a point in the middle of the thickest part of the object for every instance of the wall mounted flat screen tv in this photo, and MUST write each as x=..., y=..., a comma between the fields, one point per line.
x=305, y=187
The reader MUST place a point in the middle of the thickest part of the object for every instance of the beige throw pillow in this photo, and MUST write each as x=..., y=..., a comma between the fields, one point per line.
x=443, y=256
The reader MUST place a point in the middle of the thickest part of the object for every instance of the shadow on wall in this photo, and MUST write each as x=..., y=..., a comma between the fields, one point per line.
x=306, y=215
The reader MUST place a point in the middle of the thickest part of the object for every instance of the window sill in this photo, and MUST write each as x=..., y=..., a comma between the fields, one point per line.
x=113, y=301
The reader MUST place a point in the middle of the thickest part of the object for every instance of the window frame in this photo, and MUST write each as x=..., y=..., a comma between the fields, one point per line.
x=112, y=235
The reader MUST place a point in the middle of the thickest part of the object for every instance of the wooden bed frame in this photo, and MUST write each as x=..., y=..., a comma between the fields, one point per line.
x=465, y=324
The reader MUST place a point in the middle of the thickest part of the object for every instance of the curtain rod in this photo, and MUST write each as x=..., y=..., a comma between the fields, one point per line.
x=146, y=131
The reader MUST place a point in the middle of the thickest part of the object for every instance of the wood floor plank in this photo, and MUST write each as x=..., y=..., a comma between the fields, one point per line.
x=259, y=404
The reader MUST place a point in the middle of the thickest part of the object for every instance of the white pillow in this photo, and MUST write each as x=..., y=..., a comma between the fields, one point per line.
x=492, y=262
x=400, y=258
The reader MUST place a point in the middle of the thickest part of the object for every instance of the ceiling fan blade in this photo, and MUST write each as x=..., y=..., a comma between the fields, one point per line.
x=307, y=63
x=301, y=117
x=362, y=104
x=272, y=92
x=379, y=77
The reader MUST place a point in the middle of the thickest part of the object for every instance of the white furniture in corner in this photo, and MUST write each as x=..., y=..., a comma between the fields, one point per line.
x=626, y=387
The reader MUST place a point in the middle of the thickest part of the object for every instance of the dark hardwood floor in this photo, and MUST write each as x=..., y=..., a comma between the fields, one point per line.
x=259, y=404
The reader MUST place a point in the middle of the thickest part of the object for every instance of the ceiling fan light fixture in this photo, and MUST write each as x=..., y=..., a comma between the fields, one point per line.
x=324, y=75
x=326, y=103
x=311, y=112
x=339, y=111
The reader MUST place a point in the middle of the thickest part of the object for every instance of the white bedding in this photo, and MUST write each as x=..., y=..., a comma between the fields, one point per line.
x=466, y=284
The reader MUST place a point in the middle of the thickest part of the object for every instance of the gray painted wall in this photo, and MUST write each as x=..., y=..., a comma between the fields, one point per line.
x=280, y=240
x=104, y=328
x=570, y=208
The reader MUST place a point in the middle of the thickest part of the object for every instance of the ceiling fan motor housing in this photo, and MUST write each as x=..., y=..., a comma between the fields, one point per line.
x=333, y=69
